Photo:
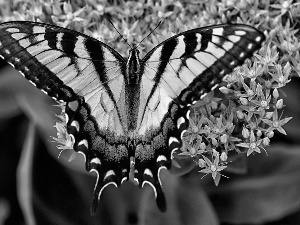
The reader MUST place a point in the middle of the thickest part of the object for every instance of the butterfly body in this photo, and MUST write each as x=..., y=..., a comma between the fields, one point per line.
x=117, y=109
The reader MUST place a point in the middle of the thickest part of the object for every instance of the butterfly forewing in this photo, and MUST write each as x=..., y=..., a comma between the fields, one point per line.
x=116, y=110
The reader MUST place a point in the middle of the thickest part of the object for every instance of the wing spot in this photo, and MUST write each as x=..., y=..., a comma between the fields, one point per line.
x=218, y=31
x=11, y=64
x=199, y=38
x=66, y=118
x=32, y=83
x=240, y=32
x=232, y=63
x=96, y=161
x=222, y=72
x=108, y=174
x=38, y=29
x=203, y=95
x=0, y=43
x=7, y=51
x=182, y=133
x=44, y=91
x=242, y=55
x=17, y=59
x=258, y=39
x=214, y=87
x=26, y=69
x=22, y=73
x=173, y=139
x=2, y=56
x=84, y=142
x=188, y=114
x=161, y=158
x=180, y=121
x=76, y=125
x=148, y=172
x=12, y=30
x=79, y=152
x=123, y=180
x=59, y=38
x=250, y=46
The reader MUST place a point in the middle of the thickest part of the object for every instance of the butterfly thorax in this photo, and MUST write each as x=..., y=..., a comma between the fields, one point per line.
x=132, y=89
x=133, y=67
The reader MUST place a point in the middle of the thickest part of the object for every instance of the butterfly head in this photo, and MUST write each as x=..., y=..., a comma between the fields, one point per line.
x=133, y=66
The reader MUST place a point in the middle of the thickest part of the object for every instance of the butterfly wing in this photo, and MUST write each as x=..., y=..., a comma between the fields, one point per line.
x=89, y=76
x=176, y=74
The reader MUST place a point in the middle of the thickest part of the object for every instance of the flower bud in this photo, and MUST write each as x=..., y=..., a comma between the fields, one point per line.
x=268, y=115
x=245, y=132
x=244, y=101
x=222, y=107
x=270, y=134
x=275, y=93
x=201, y=163
x=258, y=133
x=239, y=114
x=202, y=146
x=223, y=156
x=215, y=153
x=214, y=105
x=279, y=104
x=266, y=141
x=224, y=138
x=225, y=90
x=214, y=142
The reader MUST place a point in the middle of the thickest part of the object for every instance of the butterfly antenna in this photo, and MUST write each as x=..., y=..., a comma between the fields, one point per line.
x=119, y=33
x=149, y=34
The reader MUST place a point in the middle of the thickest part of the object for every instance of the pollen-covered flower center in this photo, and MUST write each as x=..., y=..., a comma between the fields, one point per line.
x=253, y=145
x=213, y=168
x=264, y=103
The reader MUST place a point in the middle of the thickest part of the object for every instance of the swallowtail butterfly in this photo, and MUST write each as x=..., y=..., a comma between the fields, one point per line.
x=121, y=109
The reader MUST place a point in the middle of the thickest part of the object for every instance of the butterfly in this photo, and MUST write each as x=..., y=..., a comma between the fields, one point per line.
x=125, y=114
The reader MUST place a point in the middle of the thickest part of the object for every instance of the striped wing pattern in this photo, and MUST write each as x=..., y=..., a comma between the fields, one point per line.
x=87, y=74
x=176, y=74
x=107, y=125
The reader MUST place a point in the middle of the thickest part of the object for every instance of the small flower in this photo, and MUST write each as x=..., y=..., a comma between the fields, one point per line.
x=193, y=150
x=270, y=134
x=244, y=101
x=275, y=93
x=258, y=133
x=214, y=105
x=240, y=114
x=225, y=90
x=63, y=137
x=253, y=145
x=275, y=123
x=281, y=76
x=224, y=156
x=213, y=168
x=245, y=132
x=201, y=163
x=266, y=141
x=279, y=104
x=224, y=138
